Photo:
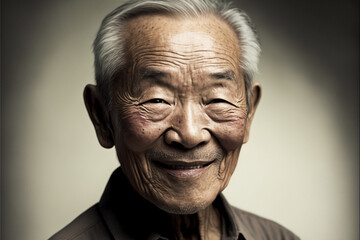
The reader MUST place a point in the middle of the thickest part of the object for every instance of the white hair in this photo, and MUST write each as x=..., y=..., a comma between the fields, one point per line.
x=109, y=44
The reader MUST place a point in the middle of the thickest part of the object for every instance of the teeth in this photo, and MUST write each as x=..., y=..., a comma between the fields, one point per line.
x=185, y=167
x=182, y=167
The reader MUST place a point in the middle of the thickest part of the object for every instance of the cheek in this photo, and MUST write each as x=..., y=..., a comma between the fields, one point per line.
x=230, y=134
x=227, y=167
x=139, y=133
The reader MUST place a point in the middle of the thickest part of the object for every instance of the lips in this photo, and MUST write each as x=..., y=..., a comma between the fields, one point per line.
x=183, y=165
x=183, y=169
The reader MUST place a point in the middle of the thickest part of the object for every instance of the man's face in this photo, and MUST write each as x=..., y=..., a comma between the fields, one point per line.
x=179, y=124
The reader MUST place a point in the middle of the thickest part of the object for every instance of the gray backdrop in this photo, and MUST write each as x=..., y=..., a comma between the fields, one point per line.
x=300, y=167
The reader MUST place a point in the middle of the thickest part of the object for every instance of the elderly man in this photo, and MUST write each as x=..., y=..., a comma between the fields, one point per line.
x=175, y=96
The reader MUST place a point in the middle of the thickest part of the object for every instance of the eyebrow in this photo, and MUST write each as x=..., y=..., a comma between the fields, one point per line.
x=228, y=75
x=156, y=77
x=151, y=73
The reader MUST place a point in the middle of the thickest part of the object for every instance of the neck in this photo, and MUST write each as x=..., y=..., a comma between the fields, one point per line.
x=136, y=211
x=205, y=224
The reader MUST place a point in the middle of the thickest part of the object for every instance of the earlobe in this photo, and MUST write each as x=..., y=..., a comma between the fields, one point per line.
x=99, y=115
x=255, y=99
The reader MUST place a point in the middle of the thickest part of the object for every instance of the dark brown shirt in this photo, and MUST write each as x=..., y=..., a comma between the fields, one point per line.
x=123, y=214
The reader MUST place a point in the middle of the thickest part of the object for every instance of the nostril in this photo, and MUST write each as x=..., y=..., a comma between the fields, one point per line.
x=177, y=145
x=182, y=147
x=184, y=139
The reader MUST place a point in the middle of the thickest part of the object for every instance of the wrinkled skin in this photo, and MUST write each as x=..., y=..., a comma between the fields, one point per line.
x=178, y=117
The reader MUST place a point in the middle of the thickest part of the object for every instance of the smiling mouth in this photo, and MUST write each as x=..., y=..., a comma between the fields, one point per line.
x=183, y=165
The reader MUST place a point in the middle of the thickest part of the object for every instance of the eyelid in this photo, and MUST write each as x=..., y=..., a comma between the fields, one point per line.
x=220, y=100
x=217, y=100
x=156, y=100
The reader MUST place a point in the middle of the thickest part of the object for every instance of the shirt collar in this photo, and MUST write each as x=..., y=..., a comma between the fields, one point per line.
x=124, y=221
x=234, y=226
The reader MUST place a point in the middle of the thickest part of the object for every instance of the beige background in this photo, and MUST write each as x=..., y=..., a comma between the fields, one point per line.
x=300, y=168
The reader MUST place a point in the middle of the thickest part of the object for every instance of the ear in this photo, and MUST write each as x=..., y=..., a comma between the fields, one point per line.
x=255, y=99
x=98, y=115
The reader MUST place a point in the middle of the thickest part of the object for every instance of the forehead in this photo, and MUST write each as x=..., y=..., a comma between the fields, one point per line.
x=181, y=37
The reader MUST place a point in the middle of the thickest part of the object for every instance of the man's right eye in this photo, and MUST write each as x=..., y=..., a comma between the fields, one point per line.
x=157, y=100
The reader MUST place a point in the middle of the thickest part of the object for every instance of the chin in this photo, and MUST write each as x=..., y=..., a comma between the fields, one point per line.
x=184, y=205
x=183, y=209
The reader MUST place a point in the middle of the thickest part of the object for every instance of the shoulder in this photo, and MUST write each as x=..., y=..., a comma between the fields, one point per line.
x=89, y=225
x=262, y=228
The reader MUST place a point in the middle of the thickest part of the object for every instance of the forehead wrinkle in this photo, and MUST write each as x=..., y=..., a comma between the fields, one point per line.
x=175, y=59
x=185, y=55
x=186, y=71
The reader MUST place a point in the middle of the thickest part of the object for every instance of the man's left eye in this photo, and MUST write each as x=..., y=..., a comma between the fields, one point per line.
x=218, y=100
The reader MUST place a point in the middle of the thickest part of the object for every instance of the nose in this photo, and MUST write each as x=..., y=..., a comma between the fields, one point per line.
x=188, y=128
